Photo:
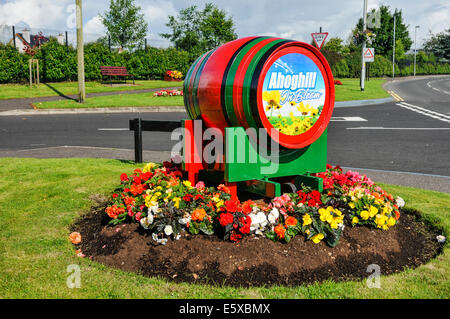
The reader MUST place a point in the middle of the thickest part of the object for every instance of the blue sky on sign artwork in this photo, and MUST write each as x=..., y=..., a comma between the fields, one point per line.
x=300, y=18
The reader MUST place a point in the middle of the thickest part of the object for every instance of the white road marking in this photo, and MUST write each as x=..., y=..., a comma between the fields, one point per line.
x=423, y=111
x=113, y=129
x=436, y=89
x=398, y=128
x=348, y=119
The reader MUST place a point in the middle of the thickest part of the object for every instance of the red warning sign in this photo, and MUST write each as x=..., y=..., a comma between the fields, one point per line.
x=319, y=38
x=369, y=54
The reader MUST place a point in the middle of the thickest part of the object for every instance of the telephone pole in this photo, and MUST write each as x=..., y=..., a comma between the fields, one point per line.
x=415, y=47
x=363, y=63
x=80, y=53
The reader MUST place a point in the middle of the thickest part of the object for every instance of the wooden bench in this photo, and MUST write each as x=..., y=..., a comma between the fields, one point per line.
x=115, y=71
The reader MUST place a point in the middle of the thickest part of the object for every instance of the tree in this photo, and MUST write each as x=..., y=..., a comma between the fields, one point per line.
x=198, y=31
x=439, y=46
x=384, y=32
x=125, y=23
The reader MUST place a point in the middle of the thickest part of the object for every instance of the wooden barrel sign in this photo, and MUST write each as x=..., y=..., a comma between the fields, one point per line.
x=263, y=82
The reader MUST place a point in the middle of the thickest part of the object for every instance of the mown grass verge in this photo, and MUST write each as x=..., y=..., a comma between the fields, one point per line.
x=41, y=198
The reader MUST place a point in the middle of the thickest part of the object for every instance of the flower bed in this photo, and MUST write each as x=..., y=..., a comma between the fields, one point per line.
x=167, y=207
x=174, y=92
x=173, y=75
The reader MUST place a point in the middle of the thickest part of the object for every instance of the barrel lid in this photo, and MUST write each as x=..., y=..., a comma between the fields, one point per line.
x=295, y=94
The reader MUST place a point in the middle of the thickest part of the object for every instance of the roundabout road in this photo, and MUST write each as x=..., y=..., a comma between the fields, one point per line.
x=412, y=135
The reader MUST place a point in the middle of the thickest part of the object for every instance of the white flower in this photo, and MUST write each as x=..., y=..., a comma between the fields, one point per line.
x=168, y=230
x=146, y=221
x=154, y=209
x=400, y=201
x=184, y=221
x=440, y=239
x=163, y=241
x=273, y=215
x=155, y=237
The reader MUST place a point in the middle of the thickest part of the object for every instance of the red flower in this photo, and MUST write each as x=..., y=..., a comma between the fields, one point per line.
x=187, y=197
x=137, y=170
x=126, y=190
x=235, y=237
x=114, y=195
x=233, y=206
x=146, y=176
x=137, y=180
x=124, y=177
x=198, y=196
x=225, y=219
x=247, y=206
x=136, y=189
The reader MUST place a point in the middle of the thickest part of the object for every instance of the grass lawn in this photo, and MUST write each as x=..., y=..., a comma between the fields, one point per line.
x=350, y=90
x=17, y=91
x=40, y=198
x=119, y=100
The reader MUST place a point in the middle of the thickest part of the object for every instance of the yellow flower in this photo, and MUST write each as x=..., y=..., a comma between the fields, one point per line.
x=352, y=205
x=220, y=203
x=176, y=200
x=306, y=220
x=373, y=211
x=380, y=220
x=364, y=214
x=307, y=232
x=272, y=98
x=187, y=184
x=324, y=213
x=391, y=221
x=355, y=220
x=149, y=167
x=317, y=238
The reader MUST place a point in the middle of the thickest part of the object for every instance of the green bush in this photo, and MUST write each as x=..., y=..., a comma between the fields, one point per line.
x=59, y=63
x=13, y=65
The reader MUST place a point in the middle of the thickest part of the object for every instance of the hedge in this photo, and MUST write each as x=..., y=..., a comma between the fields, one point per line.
x=59, y=63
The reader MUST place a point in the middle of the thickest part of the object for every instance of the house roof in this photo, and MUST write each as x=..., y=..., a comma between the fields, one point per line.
x=33, y=39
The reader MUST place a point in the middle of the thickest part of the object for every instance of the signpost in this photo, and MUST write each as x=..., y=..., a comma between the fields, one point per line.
x=319, y=38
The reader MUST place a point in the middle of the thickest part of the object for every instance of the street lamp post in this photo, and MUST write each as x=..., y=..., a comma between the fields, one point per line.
x=415, y=47
x=363, y=63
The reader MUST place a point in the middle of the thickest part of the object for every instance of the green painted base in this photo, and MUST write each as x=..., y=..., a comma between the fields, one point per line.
x=243, y=162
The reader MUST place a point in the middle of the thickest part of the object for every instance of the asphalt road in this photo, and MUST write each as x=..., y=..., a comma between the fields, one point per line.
x=411, y=137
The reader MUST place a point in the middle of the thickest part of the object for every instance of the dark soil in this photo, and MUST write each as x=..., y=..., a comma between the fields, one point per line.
x=257, y=261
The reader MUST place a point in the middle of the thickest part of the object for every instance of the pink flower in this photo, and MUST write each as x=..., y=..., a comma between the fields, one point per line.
x=138, y=216
x=200, y=185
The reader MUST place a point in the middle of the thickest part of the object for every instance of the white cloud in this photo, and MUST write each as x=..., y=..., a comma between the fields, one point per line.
x=37, y=14
x=94, y=27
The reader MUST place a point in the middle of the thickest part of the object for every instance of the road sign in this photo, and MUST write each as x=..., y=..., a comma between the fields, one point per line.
x=369, y=54
x=319, y=38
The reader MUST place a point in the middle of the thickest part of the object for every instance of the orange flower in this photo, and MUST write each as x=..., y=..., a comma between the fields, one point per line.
x=290, y=221
x=128, y=200
x=198, y=214
x=114, y=211
x=75, y=238
x=224, y=189
x=173, y=182
x=136, y=189
x=280, y=230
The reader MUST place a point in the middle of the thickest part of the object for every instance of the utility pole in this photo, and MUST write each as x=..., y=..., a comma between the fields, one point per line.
x=363, y=63
x=415, y=47
x=80, y=53
x=393, y=53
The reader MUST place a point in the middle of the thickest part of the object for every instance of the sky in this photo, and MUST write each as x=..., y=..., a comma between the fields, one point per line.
x=293, y=19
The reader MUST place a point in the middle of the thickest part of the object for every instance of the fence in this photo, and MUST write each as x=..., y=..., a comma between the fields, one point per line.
x=67, y=37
